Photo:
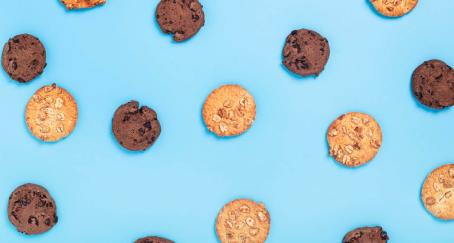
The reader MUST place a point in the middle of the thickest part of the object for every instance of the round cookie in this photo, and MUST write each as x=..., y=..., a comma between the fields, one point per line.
x=306, y=52
x=77, y=4
x=433, y=84
x=366, y=235
x=153, y=239
x=32, y=210
x=182, y=18
x=243, y=220
x=135, y=128
x=354, y=139
x=24, y=57
x=51, y=113
x=229, y=110
x=437, y=192
x=394, y=8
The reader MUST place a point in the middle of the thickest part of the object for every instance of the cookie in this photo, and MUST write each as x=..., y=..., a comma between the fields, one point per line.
x=229, y=110
x=181, y=18
x=77, y=4
x=306, y=52
x=51, y=113
x=135, y=128
x=437, y=192
x=24, y=57
x=243, y=220
x=153, y=239
x=354, y=139
x=433, y=84
x=32, y=210
x=394, y=8
x=366, y=235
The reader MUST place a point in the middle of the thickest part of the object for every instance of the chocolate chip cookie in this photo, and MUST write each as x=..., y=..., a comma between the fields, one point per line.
x=229, y=110
x=153, y=239
x=78, y=4
x=433, y=84
x=32, y=210
x=354, y=139
x=394, y=8
x=181, y=18
x=135, y=128
x=366, y=235
x=243, y=220
x=24, y=57
x=437, y=192
x=306, y=52
x=51, y=113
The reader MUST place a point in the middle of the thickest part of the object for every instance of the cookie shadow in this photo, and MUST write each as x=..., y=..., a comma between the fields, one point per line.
x=422, y=106
x=421, y=203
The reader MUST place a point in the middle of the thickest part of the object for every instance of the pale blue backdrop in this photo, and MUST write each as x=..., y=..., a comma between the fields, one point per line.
x=111, y=54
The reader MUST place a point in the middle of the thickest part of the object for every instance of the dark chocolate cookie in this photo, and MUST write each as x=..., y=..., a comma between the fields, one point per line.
x=24, y=57
x=182, y=18
x=135, y=128
x=433, y=84
x=366, y=235
x=153, y=239
x=305, y=52
x=32, y=210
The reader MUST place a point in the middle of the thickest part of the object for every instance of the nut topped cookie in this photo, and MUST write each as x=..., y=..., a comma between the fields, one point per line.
x=243, y=220
x=77, y=4
x=306, y=52
x=24, y=57
x=51, y=113
x=366, y=235
x=32, y=210
x=354, y=139
x=433, y=84
x=394, y=8
x=135, y=128
x=438, y=192
x=229, y=110
x=153, y=239
x=182, y=18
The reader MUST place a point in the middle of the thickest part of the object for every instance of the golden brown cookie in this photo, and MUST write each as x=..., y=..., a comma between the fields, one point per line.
x=394, y=8
x=243, y=220
x=75, y=4
x=51, y=113
x=229, y=110
x=437, y=192
x=354, y=139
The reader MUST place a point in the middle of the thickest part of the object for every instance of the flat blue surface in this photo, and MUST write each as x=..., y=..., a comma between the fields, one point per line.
x=109, y=55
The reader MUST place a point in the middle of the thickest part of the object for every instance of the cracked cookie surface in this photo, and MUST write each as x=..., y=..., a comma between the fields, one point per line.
x=433, y=84
x=135, y=128
x=32, y=210
x=366, y=235
x=51, y=113
x=229, y=110
x=306, y=52
x=24, y=58
x=354, y=139
x=181, y=18
x=437, y=192
x=77, y=4
x=394, y=8
x=153, y=239
x=243, y=220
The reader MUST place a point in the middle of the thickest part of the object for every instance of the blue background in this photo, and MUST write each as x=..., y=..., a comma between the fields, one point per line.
x=109, y=55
